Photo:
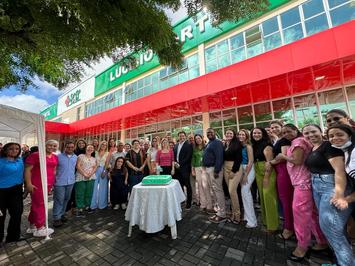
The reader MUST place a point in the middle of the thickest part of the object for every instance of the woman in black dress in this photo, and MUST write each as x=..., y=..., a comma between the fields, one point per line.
x=119, y=184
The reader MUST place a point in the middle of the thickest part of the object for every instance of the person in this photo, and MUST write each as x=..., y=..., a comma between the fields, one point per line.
x=100, y=191
x=64, y=183
x=265, y=178
x=11, y=180
x=327, y=167
x=136, y=161
x=338, y=116
x=127, y=147
x=95, y=142
x=111, y=145
x=248, y=178
x=151, y=157
x=233, y=170
x=203, y=184
x=171, y=145
x=37, y=217
x=119, y=153
x=165, y=159
x=304, y=213
x=212, y=163
x=80, y=148
x=340, y=136
x=85, y=176
x=283, y=181
x=182, y=156
x=25, y=150
x=119, y=184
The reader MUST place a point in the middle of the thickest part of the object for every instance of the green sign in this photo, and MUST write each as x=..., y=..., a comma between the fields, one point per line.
x=50, y=111
x=191, y=32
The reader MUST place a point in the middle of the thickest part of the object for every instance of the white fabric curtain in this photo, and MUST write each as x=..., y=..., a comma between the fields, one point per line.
x=16, y=123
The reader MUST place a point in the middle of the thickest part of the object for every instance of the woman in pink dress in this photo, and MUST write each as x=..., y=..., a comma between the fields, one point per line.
x=305, y=217
x=37, y=217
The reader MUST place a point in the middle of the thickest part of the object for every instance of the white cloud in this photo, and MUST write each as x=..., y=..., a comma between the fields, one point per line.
x=24, y=102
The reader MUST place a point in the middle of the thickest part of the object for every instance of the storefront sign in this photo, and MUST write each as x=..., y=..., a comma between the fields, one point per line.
x=77, y=95
x=50, y=112
x=190, y=31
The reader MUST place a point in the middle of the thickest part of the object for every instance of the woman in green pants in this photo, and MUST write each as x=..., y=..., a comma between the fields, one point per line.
x=85, y=178
x=265, y=178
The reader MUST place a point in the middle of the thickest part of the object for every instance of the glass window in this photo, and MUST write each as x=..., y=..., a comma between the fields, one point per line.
x=224, y=60
x=211, y=65
x=262, y=112
x=351, y=96
x=255, y=48
x=237, y=41
x=140, y=83
x=194, y=72
x=306, y=110
x=293, y=33
x=183, y=76
x=215, y=119
x=334, y=3
x=229, y=118
x=316, y=24
x=163, y=72
x=210, y=53
x=192, y=60
x=252, y=35
x=343, y=14
x=222, y=47
x=283, y=110
x=270, y=26
x=290, y=17
x=330, y=100
x=238, y=55
x=272, y=41
x=312, y=8
x=245, y=115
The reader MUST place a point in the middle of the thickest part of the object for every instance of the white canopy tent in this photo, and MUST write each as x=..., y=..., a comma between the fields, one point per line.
x=15, y=124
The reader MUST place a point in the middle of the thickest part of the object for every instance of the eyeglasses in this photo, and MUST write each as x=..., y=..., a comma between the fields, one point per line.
x=335, y=119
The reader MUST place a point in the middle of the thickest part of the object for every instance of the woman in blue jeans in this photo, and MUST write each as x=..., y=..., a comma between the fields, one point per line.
x=327, y=167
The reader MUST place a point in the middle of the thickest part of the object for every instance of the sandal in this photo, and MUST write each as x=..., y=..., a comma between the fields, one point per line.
x=217, y=219
x=281, y=236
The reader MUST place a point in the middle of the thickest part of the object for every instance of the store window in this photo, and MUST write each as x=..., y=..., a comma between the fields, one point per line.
x=283, y=110
x=330, y=100
x=253, y=41
x=306, y=110
x=107, y=102
x=315, y=17
x=341, y=11
x=291, y=25
x=245, y=117
x=237, y=46
x=271, y=34
x=351, y=97
x=262, y=112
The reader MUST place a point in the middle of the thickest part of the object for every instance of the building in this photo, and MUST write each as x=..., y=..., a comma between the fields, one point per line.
x=294, y=62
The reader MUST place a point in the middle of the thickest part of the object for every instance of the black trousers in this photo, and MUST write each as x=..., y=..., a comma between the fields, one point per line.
x=11, y=200
x=166, y=170
x=183, y=176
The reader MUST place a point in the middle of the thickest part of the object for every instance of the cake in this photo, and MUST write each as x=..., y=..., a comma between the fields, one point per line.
x=156, y=180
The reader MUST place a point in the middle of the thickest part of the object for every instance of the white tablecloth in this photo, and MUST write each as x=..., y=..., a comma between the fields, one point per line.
x=153, y=207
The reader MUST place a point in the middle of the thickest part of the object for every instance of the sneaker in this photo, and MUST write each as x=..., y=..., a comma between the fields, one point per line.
x=79, y=213
x=90, y=211
x=57, y=223
x=31, y=229
x=116, y=207
x=43, y=232
x=123, y=206
x=250, y=226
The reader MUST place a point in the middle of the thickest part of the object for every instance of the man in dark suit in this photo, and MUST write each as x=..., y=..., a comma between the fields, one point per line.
x=183, y=155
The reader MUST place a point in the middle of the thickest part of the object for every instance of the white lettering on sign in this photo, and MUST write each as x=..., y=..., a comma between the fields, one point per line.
x=201, y=23
x=186, y=32
x=121, y=70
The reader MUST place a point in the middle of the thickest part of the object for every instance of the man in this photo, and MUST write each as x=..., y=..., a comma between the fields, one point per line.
x=183, y=155
x=64, y=183
x=212, y=162
x=119, y=153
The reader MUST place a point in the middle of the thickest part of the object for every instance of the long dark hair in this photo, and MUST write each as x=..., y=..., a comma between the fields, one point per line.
x=293, y=127
x=4, y=150
x=348, y=130
x=78, y=150
x=202, y=143
x=123, y=168
x=259, y=146
x=235, y=142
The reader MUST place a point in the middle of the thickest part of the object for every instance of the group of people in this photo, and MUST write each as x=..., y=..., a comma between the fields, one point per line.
x=304, y=175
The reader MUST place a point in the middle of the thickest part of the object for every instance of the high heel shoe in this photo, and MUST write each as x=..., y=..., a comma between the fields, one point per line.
x=295, y=258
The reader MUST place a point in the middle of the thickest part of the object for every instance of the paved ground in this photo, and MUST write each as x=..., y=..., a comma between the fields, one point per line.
x=101, y=239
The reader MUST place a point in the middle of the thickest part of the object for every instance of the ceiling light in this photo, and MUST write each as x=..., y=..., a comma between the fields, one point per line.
x=233, y=98
x=319, y=77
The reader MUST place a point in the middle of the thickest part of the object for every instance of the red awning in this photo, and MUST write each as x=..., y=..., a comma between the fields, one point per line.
x=287, y=70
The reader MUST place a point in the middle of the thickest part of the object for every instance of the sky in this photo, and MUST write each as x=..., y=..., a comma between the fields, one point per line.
x=37, y=99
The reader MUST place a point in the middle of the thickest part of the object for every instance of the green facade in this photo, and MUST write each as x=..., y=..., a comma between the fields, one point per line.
x=50, y=112
x=103, y=82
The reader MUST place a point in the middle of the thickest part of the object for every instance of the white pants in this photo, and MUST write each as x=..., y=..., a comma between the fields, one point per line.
x=249, y=212
x=204, y=189
x=217, y=189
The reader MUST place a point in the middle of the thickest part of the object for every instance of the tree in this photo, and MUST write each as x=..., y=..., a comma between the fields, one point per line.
x=55, y=39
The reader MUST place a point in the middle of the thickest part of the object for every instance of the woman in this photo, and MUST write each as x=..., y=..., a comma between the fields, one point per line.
x=265, y=178
x=165, y=159
x=151, y=157
x=340, y=137
x=283, y=182
x=232, y=170
x=112, y=145
x=203, y=184
x=11, y=180
x=100, y=191
x=127, y=147
x=119, y=184
x=136, y=162
x=37, y=217
x=248, y=178
x=303, y=209
x=84, y=180
x=338, y=116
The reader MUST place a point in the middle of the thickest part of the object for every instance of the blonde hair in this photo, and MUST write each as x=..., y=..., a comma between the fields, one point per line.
x=52, y=141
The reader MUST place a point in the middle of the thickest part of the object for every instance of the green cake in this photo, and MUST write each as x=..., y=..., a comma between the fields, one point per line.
x=156, y=180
